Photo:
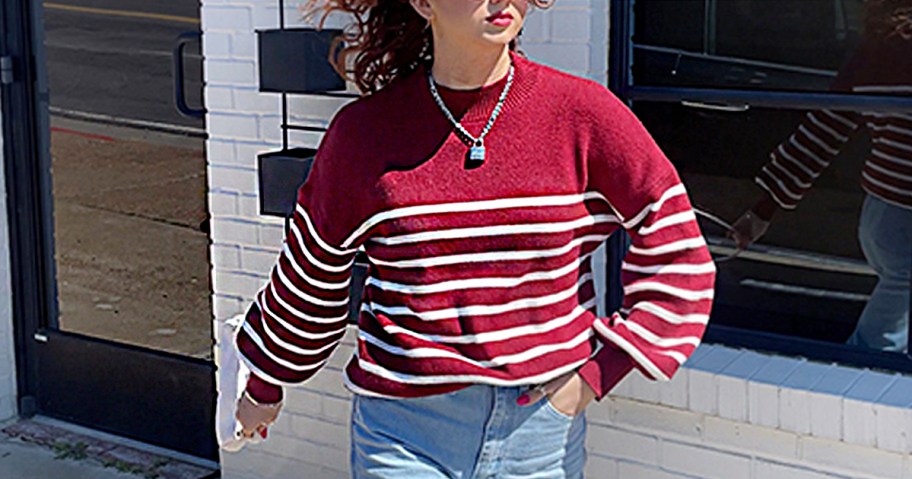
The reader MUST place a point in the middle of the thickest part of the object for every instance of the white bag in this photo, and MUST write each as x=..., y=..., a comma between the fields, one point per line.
x=231, y=380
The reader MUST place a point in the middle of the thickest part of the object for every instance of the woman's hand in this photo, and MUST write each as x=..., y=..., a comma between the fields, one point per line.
x=255, y=418
x=569, y=394
x=752, y=225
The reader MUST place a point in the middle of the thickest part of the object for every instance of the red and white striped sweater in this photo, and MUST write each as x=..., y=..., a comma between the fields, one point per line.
x=878, y=68
x=483, y=275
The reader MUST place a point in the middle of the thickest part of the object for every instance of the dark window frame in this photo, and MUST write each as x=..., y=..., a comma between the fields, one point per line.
x=620, y=81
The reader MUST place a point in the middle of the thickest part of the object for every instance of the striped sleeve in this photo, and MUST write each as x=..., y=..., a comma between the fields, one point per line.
x=299, y=316
x=668, y=274
x=798, y=161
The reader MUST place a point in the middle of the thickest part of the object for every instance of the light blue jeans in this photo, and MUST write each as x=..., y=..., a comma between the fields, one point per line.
x=885, y=233
x=475, y=433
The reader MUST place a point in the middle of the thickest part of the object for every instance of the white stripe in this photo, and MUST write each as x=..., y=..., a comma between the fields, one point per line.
x=889, y=116
x=841, y=119
x=355, y=389
x=786, y=172
x=472, y=206
x=887, y=141
x=298, y=332
x=655, y=339
x=487, y=257
x=883, y=88
x=818, y=141
x=306, y=317
x=495, y=362
x=885, y=186
x=798, y=163
x=791, y=194
x=291, y=347
x=498, y=230
x=680, y=245
x=678, y=268
x=894, y=174
x=263, y=374
x=305, y=296
x=630, y=349
x=667, y=221
x=797, y=144
x=686, y=294
x=404, y=378
x=340, y=252
x=823, y=126
x=774, y=161
x=773, y=194
x=499, y=335
x=315, y=282
x=666, y=315
x=313, y=260
x=281, y=362
x=479, y=283
x=891, y=158
x=676, y=190
x=893, y=128
x=480, y=310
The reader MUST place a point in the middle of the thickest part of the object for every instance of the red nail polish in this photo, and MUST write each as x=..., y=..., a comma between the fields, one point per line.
x=263, y=433
x=523, y=400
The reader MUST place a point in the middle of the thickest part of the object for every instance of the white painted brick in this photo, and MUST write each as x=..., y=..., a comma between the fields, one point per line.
x=252, y=101
x=640, y=416
x=772, y=470
x=223, y=125
x=270, y=127
x=628, y=470
x=247, y=155
x=336, y=409
x=703, y=461
x=622, y=444
x=229, y=72
x=569, y=57
x=231, y=231
x=572, y=25
x=826, y=415
x=641, y=388
x=223, y=203
x=794, y=410
x=704, y=393
x=891, y=428
x=256, y=259
x=219, y=151
x=302, y=401
x=314, y=109
x=236, y=283
x=218, y=99
x=749, y=438
x=225, y=18
x=266, y=16
x=535, y=28
x=763, y=404
x=340, y=356
x=601, y=467
x=243, y=46
x=271, y=235
x=225, y=307
x=320, y=431
x=857, y=461
x=674, y=392
x=233, y=178
x=859, y=422
x=732, y=397
x=216, y=45
x=225, y=256
x=249, y=207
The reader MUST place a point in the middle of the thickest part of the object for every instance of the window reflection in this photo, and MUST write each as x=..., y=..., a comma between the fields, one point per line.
x=797, y=45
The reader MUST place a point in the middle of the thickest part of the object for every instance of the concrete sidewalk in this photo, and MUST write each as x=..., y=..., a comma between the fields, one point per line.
x=44, y=448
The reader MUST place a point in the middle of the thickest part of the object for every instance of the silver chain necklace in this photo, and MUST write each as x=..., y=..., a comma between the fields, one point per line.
x=477, y=150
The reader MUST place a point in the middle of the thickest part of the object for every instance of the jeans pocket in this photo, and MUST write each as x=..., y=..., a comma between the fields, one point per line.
x=549, y=406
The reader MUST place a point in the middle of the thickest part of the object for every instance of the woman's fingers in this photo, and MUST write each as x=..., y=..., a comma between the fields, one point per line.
x=534, y=395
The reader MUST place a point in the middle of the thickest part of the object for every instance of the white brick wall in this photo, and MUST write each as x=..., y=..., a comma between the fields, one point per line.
x=727, y=414
x=8, y=407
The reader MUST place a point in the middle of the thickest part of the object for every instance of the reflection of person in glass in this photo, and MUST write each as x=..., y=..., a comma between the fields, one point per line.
x=881, y=65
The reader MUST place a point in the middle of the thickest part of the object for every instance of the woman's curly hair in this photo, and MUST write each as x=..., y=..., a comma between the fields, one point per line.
x=888, y=18
x=388, y=39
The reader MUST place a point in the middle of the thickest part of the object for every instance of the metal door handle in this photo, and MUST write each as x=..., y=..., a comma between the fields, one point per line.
x=180, y=100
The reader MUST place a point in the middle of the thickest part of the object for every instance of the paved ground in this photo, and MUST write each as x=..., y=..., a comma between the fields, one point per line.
x=36, y=449
x=132, y=261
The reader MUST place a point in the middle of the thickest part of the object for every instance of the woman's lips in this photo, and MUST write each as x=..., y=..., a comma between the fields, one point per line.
x=501, y=19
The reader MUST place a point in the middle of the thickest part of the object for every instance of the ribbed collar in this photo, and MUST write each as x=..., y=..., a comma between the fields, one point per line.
x=478, y=103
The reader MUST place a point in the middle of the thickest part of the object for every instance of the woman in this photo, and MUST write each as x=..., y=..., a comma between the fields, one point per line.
x=479, y=183
x=882, y=65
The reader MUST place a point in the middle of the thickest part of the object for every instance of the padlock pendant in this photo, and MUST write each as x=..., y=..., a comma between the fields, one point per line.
x=477, y=153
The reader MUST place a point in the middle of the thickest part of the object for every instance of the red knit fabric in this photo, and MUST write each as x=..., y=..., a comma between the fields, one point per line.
x=483, y=275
